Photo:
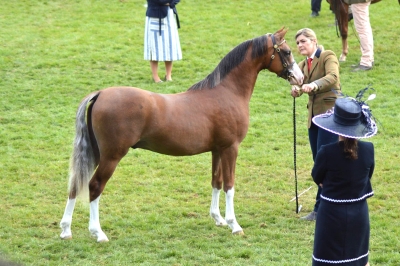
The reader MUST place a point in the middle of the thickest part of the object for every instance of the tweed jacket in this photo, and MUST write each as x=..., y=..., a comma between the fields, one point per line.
x=325, y=73
x=344, y=180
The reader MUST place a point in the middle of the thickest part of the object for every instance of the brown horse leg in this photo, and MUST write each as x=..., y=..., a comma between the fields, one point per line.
x=228, y=162
x=96, y=186
x=83, y=162
x=344, y=29
x=216, y=184
x=345, y=50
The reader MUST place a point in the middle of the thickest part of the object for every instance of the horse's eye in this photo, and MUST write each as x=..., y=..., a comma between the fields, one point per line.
x=288, y=52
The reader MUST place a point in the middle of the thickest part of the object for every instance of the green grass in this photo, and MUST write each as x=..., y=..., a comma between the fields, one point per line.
x=155, y=208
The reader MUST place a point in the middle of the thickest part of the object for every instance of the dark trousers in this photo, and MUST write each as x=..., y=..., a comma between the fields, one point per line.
x=318, y=137
x=316, y=5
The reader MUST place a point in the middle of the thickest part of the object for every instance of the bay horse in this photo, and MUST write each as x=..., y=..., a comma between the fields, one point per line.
x=341, y=10
x=211, y=116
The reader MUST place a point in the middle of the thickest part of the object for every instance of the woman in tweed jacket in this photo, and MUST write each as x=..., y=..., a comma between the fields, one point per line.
x=321, y=83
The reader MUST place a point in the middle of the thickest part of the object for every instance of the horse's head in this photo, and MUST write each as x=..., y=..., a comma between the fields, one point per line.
x=286, y=67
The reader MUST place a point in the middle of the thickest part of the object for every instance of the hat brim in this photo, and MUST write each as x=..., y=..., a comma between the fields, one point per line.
x=359, y=131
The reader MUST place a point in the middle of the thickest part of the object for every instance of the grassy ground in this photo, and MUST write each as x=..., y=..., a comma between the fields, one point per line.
x=155, y=208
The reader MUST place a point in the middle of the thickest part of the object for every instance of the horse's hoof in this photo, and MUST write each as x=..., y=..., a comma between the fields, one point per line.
x=66, y=237
x=102, y=240
x=238, y=233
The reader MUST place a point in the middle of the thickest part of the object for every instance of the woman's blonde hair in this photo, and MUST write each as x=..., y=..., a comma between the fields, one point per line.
x=309, y=34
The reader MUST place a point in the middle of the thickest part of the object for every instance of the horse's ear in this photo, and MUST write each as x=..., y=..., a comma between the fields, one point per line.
x=282, y=32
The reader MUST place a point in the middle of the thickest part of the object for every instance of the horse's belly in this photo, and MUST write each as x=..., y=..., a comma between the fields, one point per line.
x=175, y=147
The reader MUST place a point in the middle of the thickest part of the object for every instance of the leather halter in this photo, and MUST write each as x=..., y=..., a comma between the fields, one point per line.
x=286, y=72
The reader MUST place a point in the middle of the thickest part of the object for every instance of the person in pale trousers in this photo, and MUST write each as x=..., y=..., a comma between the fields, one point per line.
x=360, y=10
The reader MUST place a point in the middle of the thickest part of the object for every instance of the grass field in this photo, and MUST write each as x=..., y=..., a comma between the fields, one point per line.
x=155, y=208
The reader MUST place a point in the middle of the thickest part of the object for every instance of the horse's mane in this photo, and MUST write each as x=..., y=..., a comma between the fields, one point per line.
x=231, y=60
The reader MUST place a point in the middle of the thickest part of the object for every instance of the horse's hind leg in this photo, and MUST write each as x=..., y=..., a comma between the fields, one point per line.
x=96, y=186
x=345, y=50
x=66, y=220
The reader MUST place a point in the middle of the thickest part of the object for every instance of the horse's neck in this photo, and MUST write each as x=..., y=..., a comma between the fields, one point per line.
x=243, y=79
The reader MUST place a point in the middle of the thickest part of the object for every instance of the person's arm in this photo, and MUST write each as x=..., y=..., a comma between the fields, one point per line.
x=371, y=170
x=319, y=170
x=331, y=77
x=173, y=3
x=296, y=89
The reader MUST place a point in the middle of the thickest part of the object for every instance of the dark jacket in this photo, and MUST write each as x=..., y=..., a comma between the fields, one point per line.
x=325, y=73
x=159, y=9
x=344, y=180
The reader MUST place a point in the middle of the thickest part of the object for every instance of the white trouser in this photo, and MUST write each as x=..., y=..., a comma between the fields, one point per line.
x=364, y=30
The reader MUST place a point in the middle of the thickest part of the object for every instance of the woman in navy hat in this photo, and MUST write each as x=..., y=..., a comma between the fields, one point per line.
x=344, y=170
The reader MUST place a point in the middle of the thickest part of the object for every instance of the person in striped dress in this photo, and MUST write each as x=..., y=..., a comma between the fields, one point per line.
x=161, y=39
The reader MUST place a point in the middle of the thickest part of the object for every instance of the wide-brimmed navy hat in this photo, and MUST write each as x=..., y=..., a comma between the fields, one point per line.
x=349, y=118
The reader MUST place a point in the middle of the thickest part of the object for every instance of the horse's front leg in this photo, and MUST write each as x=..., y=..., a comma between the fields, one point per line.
x=66, y=220
x=214, y=209
x=230, y=213
x=345, y=10
x=228, y=163
x=216, y=185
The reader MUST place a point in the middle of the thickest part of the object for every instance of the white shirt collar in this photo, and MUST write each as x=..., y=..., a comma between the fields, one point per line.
x=313, y=54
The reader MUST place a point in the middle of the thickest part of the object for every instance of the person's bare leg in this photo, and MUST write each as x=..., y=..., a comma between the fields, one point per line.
x=168, y=70
x=367, y=264
x=154, y=71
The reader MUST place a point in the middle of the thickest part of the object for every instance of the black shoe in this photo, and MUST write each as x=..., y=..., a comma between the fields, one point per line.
x=312, y=216
x=314, y=14
x=355, y=66
x=361, y=68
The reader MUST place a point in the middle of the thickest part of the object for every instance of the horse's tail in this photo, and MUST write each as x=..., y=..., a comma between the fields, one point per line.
x=83, y=161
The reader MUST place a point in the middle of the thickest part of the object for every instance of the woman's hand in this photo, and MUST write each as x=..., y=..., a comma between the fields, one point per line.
x=295, y=91
x=309, y=87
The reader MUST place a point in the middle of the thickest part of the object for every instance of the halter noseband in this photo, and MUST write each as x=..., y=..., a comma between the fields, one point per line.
x=286, y=73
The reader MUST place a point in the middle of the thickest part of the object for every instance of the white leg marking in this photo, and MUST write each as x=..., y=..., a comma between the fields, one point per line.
x=230, y=213
x=66, y=221
x=94, y=222
x=342, y=58
x=214, y=209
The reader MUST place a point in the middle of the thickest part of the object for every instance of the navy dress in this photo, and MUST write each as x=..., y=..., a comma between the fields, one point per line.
x=342, y=226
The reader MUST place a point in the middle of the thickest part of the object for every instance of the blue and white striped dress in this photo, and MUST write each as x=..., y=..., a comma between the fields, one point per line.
x=164, y=47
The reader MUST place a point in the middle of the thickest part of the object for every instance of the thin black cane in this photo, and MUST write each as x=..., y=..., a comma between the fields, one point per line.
x=294, y=152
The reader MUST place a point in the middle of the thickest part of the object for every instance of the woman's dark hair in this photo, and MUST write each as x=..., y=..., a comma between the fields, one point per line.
x=351, y=148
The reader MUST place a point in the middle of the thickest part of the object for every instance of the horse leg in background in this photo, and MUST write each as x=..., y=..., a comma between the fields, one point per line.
x=96, y=186
x=216, y=184
x=343, y=23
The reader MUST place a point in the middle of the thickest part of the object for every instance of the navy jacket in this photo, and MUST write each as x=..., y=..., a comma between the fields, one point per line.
x=159, y=9
x=344, y=180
